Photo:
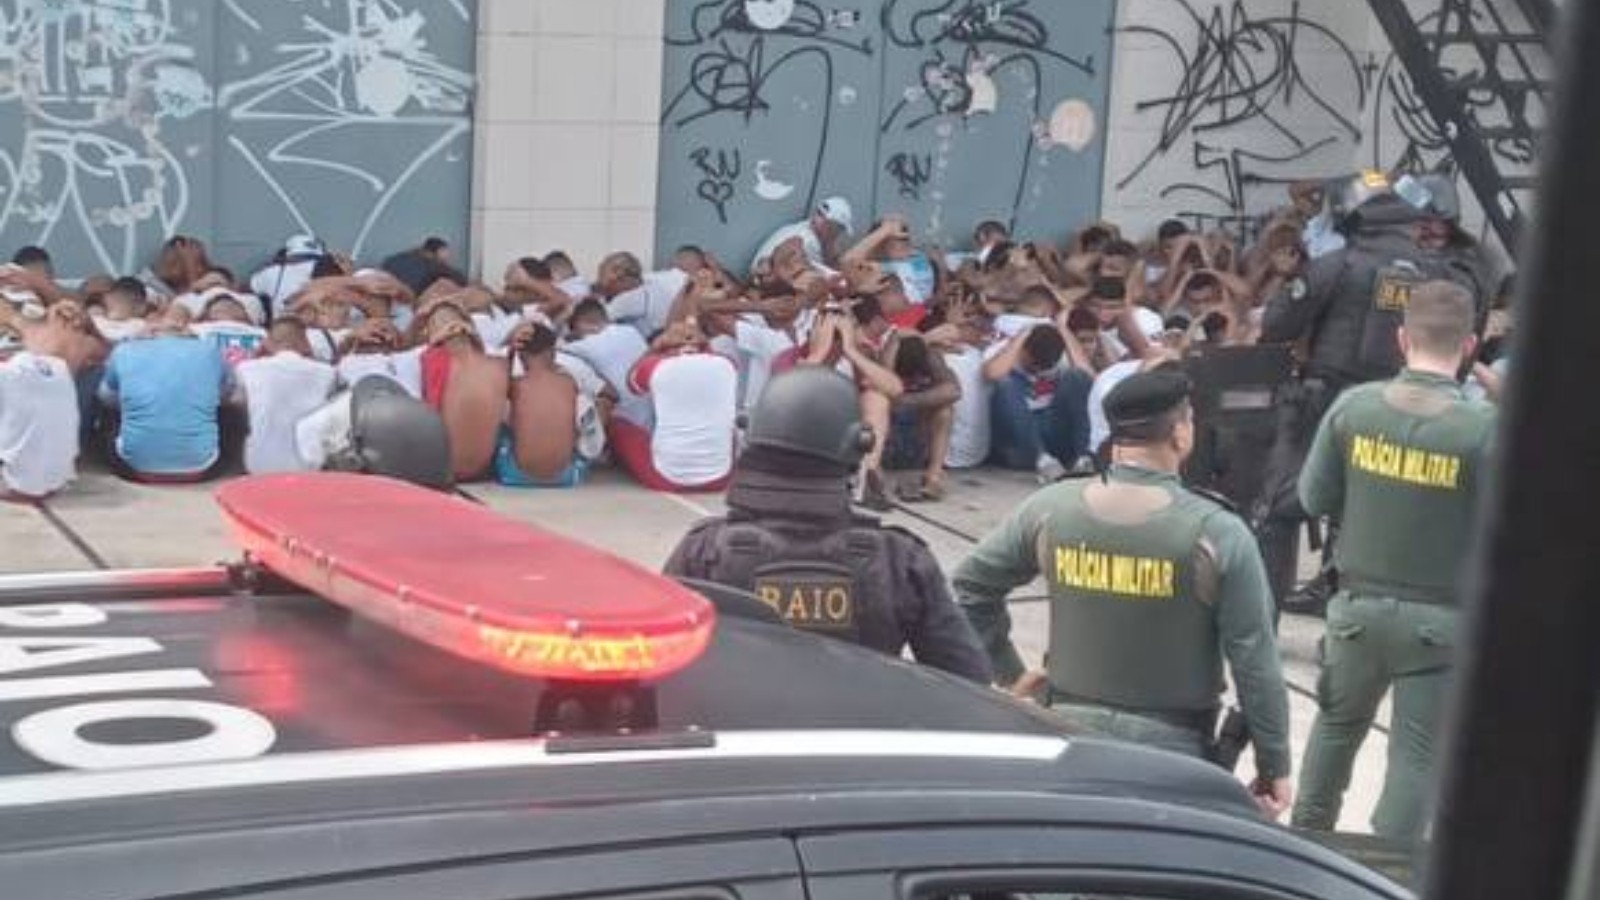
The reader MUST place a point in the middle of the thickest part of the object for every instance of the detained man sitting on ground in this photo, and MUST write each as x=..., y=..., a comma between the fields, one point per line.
x=421, y=266
x=531, y=288
x=280, y=389
x=566, y=276
x=693, y=395
x=122, y=310
x=376, y=347
x=851, y=342
x=168, y=389
x=921, y=419
x=290, y=271
x=224, y=321
x=467, y=386
x=819, y=235
x=890, y=245
x=557, y=428
x=31, y=272
x=765, y=330
x=38, y=412
x=645, y=300
x=182, y=262
x=1040, y=405
x=611, y=351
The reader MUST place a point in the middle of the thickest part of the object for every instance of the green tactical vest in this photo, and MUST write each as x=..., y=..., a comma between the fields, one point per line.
x=1413, y=451
x=1126, y=626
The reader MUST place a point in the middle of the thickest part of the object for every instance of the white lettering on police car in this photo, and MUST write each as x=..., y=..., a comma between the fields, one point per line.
x=55, y=736
x=51, y=615
x=24, y=654
x=108, y=683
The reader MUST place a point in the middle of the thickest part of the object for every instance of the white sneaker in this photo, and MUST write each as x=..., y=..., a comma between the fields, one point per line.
x=1049, y=469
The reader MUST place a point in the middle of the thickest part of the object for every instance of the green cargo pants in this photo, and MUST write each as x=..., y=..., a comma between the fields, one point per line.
x=1371, y=645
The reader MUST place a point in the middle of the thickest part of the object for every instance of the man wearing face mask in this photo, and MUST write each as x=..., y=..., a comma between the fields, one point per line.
x=1152, y=586
x=1347, y=307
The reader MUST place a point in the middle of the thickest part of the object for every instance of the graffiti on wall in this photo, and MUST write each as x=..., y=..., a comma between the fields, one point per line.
x=946, y=111
x=1240, y=112
x=1259, y=95
x=238, y=121
x=1404, y=135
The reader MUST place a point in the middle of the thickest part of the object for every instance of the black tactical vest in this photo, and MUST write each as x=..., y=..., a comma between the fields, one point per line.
x=833, y=581
x=1376, y=290
x=1127, y=628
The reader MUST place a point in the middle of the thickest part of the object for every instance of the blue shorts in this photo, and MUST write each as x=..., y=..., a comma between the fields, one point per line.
x=906, y=446
x=507, y=473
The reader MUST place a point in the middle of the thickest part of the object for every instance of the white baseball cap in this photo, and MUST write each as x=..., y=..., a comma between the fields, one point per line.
x=1151, y=325
x=303, y=246
x=837, y=210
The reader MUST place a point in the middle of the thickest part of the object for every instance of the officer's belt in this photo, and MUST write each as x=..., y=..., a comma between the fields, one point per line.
x=1202, y=720
x=1353, y=583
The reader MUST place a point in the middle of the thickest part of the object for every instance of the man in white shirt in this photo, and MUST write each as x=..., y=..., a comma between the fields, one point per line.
x=370, y=349
x=1115, y=374
x=122, y=310
x=290, y=271
x=225, y=324
x=634, y=297
x=279, y=390
x=693, y=394
x=38, y=426
x=971, y=430
x=611, y=350
x=1039, y=412
x=566, y=276
x=760, y=341
x=820, y=234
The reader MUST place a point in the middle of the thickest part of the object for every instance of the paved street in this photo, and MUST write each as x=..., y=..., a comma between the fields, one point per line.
x=103, y=522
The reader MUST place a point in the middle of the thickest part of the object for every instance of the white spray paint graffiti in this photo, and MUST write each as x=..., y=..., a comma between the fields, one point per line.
x=365, y=75
x=116, y=110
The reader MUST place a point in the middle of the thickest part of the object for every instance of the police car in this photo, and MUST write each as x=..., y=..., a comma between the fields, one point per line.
x=225, y=733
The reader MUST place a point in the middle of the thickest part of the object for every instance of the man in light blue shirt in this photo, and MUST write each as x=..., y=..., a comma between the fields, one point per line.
x=168, y=389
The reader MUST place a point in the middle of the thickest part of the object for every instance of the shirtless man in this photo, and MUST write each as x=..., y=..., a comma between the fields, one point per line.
x=66, y=333
x=555, y=426
x=466, y=385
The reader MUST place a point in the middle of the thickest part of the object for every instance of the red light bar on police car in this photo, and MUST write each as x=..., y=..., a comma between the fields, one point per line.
x=458, y=577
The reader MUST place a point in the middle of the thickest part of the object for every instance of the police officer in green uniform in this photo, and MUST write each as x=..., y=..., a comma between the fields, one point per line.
x=1151, y=587
x=1401, y=463
x=1346, y=307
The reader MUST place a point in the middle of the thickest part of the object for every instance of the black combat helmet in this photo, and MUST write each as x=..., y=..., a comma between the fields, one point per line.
x=393, y=433
x=814, y=412
x=1438, y=197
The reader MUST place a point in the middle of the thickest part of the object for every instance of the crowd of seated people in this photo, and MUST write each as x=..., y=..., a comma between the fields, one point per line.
x=998, y=355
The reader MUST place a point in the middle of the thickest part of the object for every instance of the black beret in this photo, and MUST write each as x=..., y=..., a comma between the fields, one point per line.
x=1144, y=396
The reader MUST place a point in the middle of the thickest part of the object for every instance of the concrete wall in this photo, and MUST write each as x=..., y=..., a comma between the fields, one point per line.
x=567, y=134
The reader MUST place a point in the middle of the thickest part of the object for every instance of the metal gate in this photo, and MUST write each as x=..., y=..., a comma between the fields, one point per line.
x=948, y=111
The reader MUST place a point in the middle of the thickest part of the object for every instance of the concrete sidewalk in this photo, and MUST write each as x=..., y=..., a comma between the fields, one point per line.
x=102, y=522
